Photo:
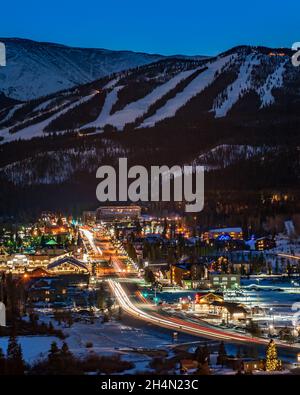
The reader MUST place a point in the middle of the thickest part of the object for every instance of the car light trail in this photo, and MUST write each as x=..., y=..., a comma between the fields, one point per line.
x=289, y=256
x=90, y=238
x=174, y=323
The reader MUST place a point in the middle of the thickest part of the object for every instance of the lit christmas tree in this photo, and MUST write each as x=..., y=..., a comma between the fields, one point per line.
x=272, y=362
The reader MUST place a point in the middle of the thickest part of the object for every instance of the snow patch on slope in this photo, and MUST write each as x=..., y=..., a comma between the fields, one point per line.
x=138, y=108
x=225, y=101
x=202, y=81
x=112, y=83
x=110, y=100
x=29, y=171
x=36, y=69
x=11, y=113
x=37, y=130
x=274, y=80
x=44, y=105
x=225, y=155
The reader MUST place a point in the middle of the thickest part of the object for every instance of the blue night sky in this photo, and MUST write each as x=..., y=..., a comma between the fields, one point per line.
x=166, y=27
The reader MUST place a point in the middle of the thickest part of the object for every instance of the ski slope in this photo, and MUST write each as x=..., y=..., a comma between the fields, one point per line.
x=198, y=84
x=238, y=88
x=274, y=80
x=138, y=108
x=110, y=100
x=37, y=130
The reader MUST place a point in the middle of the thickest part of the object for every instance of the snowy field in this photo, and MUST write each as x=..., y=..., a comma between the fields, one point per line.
x=108, y=339
x=33, y=347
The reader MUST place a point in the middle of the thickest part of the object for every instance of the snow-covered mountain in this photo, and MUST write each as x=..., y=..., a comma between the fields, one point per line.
x=238, y=110
x=37, y=69
x=238, y=83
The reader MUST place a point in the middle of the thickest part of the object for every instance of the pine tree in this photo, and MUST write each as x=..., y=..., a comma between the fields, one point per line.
x=67, y=360
x=54, y=359
x=19, y=361
x=199, y=354
x=272, y=361
x=202, y=354
x=222, y=354
x=15, y=363
x=53, y=352
x=50, y=327
x=65, y=350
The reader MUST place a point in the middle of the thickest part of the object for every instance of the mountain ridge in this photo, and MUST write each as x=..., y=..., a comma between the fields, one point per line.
x=37, y=68
x=237, y=83
x=236, y=114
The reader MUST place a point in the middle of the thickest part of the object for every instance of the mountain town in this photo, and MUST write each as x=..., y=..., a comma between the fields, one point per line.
x=149, y=194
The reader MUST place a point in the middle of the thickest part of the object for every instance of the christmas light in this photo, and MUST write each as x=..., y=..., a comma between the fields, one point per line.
x=272, y=362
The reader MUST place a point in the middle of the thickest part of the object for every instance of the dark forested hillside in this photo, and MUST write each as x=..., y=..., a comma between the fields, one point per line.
x=236, y=114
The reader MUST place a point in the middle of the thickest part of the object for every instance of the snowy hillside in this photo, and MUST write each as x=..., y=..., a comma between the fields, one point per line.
x=46, y=167
x=236, y=114
x=196, y=86
x=225, y=155
x=37, y=69
x=238, y=83
x=236, y=110
x=140, y=107
x=57, y=113
x=36, y=129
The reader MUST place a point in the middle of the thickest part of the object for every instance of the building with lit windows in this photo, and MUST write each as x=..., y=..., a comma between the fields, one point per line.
x=224, y=234
x=118, y=213
x=224, y=281
x=89, y=217
x=264, y=243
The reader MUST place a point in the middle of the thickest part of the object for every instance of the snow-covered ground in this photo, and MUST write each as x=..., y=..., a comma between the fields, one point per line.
x=36, y=69
x=33, y=347
x=25, y=173
x=110, y=100
x=286, y=245
x=112, y=83
x=238, y=88
x=198, y=84
x=138, y=108
x=44, y=105
x=274, y=80
x=37, y=130
x=109, y=338
x=225, y=155
x=10, y=113
x=244, y=83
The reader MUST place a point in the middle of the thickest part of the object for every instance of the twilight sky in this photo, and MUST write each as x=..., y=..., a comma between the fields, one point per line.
x=167, y=27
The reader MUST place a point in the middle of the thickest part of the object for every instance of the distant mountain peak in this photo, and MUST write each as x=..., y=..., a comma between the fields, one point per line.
x=37, y=69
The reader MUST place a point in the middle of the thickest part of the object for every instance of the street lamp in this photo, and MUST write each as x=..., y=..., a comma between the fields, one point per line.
x=271, y=328
x=295, y=332
x=272, y=314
